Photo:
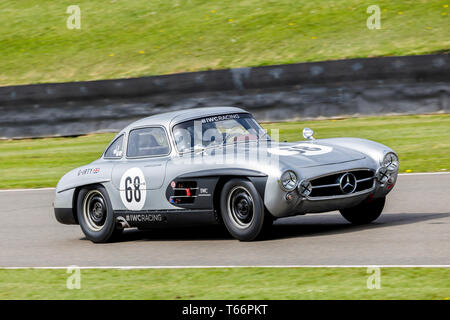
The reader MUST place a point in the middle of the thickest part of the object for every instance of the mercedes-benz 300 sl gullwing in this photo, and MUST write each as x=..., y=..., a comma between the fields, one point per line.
x=218, y=166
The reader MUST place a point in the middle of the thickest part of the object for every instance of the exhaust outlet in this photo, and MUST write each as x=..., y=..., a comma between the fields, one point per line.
x=122, y=223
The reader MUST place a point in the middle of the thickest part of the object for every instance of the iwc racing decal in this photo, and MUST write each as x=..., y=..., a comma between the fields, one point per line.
x=307, y=149
x=133, y=189
x=220, y=118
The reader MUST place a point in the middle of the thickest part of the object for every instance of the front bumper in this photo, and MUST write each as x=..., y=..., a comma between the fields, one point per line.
x=63, y=204
x=283, y=204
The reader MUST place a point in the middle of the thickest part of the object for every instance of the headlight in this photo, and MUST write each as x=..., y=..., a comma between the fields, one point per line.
x=305, y=188
x=382, y=175
x=390, y=162
x=288, y=180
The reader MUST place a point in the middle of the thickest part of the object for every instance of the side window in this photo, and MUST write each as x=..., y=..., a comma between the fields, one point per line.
x=147, y=142
x=115, y=149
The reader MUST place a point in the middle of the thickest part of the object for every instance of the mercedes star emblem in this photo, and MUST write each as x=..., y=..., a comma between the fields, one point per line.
x=347, y=183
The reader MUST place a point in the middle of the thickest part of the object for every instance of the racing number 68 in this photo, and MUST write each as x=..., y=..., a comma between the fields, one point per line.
x=129, y=192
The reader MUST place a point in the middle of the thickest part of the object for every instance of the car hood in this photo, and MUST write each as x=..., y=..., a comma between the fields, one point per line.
x=267, y=157
x=301, y=154
x=317, y=153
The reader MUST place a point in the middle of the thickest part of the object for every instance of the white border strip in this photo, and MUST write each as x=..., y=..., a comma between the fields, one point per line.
x=400, y=174
x=232, y=266
x=423, y=173
x=23, y=190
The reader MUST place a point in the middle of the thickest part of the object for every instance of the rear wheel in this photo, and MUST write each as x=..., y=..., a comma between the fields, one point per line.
x=365, y=212
x=242, y=210
x=95, y=214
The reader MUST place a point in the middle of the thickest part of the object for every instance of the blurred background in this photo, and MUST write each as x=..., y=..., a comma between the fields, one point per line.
x=282, y=60
x=73, y=73
x=121, y=39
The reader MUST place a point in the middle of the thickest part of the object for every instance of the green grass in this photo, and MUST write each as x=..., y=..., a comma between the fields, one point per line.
x=120, y=39
x=422, y=142
x=41, y=162
x=228, y=283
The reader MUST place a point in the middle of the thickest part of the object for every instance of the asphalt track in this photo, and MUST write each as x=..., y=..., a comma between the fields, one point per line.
x=413, y=230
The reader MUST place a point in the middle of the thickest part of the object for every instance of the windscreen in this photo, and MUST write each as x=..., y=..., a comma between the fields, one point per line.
x=217, y=130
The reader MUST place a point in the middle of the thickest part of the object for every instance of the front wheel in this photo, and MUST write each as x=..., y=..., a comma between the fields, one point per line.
x=365, y=212
x=243, y=211
x=95, y=214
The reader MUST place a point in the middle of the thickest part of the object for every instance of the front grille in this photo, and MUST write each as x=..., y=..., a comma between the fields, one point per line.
x=329, y=186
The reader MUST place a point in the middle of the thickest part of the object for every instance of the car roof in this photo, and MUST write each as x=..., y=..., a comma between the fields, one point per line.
x=169, y=118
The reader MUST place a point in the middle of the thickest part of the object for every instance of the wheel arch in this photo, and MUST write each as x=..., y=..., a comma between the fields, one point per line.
x=258, y=181
x=221, y=176
x=75, y=198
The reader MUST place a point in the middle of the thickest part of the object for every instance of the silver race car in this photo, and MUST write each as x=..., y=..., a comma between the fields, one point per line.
x=218, y=166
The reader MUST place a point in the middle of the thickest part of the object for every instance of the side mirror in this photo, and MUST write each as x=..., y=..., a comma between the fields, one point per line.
x=308, y=134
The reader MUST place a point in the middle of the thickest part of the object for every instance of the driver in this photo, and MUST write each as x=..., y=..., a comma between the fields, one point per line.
x=210, y=134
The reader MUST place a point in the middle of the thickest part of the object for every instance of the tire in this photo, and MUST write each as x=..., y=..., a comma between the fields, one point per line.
x=364, y=213
x=242, y=210
x=95, y=215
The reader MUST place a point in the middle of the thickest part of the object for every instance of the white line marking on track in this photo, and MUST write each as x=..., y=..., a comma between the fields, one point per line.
x=422, y=173
x=249, y=266
x=24, y=190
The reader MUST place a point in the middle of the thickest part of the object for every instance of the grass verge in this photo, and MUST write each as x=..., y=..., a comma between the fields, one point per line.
x=122, y=39
x=422, y=142
x=228, y=283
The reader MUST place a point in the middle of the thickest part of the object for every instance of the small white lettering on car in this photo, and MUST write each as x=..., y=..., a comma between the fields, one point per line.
x=220, y=118
x=145, y=217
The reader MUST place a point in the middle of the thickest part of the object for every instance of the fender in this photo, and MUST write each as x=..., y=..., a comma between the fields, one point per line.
x=203, y=184
x=85, y=175
x=223, y=172
x=372, y=149
x=64, y=195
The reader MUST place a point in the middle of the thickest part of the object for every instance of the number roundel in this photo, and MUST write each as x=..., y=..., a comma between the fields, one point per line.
x=309, y=149
x=306, y=149
x=133, y=189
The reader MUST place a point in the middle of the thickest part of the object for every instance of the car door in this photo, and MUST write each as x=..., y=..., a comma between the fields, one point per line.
x=139, y=177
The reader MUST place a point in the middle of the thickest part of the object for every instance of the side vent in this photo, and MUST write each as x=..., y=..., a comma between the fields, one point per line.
x=184, y=192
